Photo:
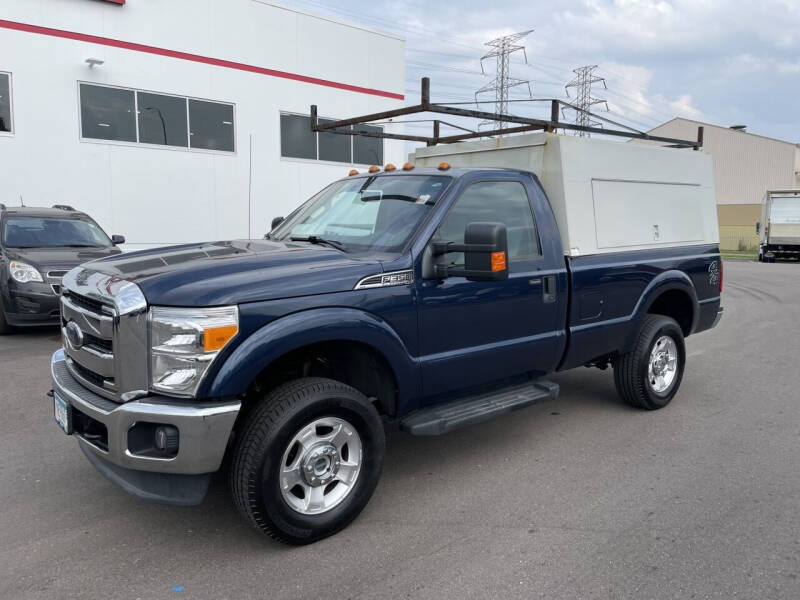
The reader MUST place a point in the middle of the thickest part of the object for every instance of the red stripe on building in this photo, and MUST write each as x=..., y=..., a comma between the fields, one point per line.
x=217, y=62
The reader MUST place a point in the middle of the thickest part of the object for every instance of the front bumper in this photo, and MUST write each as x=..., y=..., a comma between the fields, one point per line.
x=32, y=307
x=204, y=430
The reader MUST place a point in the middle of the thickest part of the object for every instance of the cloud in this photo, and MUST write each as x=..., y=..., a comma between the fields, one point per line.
x=683, y=107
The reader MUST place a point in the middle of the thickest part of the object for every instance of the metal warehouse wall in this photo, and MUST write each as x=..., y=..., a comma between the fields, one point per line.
x=745, y=165
x=262, y=57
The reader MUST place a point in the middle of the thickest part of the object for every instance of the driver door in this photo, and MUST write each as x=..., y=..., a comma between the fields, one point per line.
x=475, y=332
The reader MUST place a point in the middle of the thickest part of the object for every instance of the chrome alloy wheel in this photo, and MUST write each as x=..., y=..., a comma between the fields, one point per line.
x=320, y=465
x=663, y=365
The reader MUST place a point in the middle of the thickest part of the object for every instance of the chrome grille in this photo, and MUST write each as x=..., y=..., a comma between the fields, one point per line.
x=92, y=361
x=90, y=304
x=54, y=279
x=106, y=317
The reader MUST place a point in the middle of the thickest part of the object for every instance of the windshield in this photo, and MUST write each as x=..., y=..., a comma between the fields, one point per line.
x=45, y=232
x=376, y=213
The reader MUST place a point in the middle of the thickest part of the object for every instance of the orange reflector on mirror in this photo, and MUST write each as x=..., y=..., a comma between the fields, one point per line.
x=215, y=338
x=498, y=261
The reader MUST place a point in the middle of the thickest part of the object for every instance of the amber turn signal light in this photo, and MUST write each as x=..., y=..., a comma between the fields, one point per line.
x=443, y=166
x=352, y=172
x=374, y=169
x=408, y=166
x=215, y=338
x=389, y=167
x=498, y=261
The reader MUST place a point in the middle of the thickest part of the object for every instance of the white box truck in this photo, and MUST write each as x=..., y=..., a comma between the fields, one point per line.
x=779, y=228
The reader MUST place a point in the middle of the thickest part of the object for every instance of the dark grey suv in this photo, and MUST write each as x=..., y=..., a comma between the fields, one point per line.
x=37, y=247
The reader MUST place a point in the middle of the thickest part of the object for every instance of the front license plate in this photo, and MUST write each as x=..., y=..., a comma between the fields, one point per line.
x=63, y=413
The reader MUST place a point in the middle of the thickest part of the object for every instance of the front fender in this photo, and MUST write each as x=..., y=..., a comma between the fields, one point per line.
x=299, y=329
x=663, y=282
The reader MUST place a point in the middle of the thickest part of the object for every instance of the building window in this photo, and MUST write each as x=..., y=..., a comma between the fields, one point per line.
x=108, y=113
x=298, y=141
x=211, y=125
x=162, y=120
x=6, y=122
x=334, y=147
x=124, y=115
x=368, y=150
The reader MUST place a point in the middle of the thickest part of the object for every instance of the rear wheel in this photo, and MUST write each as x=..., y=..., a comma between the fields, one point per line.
x=308, y=459
x=649, y=376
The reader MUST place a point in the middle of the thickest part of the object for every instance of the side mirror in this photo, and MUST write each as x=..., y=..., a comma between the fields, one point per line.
x=485, y=251
x=117, y=239
x=275, y=222
x=758, y=227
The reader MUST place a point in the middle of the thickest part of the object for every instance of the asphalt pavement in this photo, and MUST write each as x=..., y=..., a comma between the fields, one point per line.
x=582, y=497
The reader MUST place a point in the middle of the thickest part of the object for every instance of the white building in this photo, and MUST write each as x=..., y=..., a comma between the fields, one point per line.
x=178, y=120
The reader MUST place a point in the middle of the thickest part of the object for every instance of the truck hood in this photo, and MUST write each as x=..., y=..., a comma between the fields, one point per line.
x=233, y=272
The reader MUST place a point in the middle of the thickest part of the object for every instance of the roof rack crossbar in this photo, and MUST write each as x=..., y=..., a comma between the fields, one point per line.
x=522, y=123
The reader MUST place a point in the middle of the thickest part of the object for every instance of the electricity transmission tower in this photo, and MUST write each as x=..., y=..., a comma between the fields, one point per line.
x=501, y=50
x=582, y=82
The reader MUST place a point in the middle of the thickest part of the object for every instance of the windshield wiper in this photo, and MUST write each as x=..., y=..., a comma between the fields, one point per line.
x=315, y=239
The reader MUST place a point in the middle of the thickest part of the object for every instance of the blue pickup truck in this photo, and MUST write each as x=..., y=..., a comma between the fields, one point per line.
x=432, y=297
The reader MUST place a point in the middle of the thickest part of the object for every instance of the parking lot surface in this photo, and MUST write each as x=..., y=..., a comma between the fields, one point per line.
x=582, y=497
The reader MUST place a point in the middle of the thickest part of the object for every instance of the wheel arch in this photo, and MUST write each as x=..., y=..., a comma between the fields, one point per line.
x=355, y=340
x=671, y=294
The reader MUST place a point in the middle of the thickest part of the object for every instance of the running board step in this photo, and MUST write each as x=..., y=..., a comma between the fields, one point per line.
x=444, y=418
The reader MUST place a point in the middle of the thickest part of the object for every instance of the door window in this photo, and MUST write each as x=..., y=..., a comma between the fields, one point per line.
x=496, y=202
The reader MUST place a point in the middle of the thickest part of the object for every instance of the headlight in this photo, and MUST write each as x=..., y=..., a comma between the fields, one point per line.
x=184, y=342
x=23, y=272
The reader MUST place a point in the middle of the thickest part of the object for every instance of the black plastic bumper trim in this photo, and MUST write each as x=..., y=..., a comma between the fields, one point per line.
x=163, y=488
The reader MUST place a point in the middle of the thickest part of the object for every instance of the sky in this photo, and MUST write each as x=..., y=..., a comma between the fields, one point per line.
x=723, y=62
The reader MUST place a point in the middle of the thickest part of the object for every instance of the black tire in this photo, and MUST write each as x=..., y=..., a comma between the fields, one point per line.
x=260, y=447
x=631, y=370
x=5, y=328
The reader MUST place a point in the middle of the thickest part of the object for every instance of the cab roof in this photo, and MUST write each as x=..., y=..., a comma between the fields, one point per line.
x=455, y=172
x=41, y=211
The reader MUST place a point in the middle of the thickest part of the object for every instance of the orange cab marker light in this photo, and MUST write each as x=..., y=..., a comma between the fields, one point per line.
x=389, y=167
x=498, y=261
x=374, y=169
x=352, y=172
x=443, y=166
x=215, y=338
x=408, y=166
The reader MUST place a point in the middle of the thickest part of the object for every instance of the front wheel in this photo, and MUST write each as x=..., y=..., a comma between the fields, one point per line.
x=5, y=328
x=649, y=376
x=308, y=459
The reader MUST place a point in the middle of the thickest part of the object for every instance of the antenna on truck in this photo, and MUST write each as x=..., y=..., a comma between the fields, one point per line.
x=519, y=123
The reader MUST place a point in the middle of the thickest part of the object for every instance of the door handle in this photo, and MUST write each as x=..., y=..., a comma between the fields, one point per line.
x=549, y=289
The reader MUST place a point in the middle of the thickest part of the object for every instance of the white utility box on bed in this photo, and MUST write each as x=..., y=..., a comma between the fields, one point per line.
x=607, y=196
